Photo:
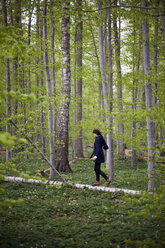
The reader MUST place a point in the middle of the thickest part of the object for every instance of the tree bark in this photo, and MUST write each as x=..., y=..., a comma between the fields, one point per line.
x=142, y=97
x=48, y=89
x=148, y=93
x=53, y=68
x=78, y=140
x=163, y=21
x=110, y=157
x=62, y=141
x=105, y=92
x=120, y=126
x=42, y=115
x=8, y=104
x=155, y=55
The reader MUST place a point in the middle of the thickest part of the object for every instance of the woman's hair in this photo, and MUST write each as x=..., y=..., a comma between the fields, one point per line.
x=97, y=131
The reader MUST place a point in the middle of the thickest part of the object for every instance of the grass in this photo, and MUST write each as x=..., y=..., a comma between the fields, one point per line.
x=69, y=217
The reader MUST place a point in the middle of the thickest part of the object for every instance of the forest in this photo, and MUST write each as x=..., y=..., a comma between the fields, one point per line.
x=68, y=67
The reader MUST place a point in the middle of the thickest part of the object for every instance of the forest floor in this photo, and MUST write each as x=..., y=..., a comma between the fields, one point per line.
x=63, y=216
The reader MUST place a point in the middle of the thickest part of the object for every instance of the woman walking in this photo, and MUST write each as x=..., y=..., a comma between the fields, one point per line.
x=98, y=157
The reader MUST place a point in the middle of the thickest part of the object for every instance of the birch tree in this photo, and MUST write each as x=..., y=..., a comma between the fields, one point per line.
x=61, y=148
x=148, y=94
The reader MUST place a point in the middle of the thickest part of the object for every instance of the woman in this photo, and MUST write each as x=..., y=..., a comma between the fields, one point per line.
x=98, y=157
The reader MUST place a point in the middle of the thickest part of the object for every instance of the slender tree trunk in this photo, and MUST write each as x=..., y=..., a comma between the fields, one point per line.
x=148, y=93
x=8, y=104
x=29, y=37
x=105, y=93
x=53, y=68
x=155, y=55
x=75, y=86
x=133, y=151
x=78, y=141
x=110, y=158
x=48, y=89
x=163, y=21
x=135, y=82
x=42, y=115
x=120, y=126
x=37, y=66
x=62, y=140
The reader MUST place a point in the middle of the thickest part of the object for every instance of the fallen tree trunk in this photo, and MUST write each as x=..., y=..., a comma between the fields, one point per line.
x=80, y=186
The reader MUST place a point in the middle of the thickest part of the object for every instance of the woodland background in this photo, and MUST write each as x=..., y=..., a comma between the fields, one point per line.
x=68, y=67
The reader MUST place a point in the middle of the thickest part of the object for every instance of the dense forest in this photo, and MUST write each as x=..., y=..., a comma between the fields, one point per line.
x=67, y=68
x=70, y=66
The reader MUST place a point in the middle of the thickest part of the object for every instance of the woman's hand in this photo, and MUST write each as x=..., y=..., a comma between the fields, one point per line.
x=94, y=158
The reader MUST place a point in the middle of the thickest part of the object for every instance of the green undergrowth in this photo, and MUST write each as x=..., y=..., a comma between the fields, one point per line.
x=62, y=216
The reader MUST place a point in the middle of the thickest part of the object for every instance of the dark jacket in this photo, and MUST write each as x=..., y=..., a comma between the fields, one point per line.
x=99, y=145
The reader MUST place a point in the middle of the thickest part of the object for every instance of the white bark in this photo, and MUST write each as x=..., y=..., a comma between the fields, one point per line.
x=62, y=139
x=79, y=186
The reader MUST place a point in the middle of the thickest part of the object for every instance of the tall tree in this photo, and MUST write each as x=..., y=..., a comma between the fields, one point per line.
x=148, y=94
x=110, y=158
x=120, y=126
x=102, y=58
x=163, y=21
x=134, y=94
x=78, y=141
x=48, y=88
x=42, y=115
x=53, y=66
x=8, y=104
x=61, y=147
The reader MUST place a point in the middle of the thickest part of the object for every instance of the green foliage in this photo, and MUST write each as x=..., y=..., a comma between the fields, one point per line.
x=73, y=217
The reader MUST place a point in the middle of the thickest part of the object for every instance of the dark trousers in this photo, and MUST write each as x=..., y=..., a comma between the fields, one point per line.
x=97, y=169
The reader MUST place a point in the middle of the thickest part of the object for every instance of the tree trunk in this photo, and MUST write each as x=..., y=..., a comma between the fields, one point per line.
x=120, y=126
x=105, y=92
x=42, y=115
x=155, y=55
x=148, y=93
x=110, y=158
x=53, y=68
x=62, y=140
x=75, y=87
x=133, y=151
x=78, y=140
x=8, y=104
x=163, y=21
x=48, y=89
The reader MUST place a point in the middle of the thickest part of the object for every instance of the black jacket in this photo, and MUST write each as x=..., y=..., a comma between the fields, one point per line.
x=99, y=145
